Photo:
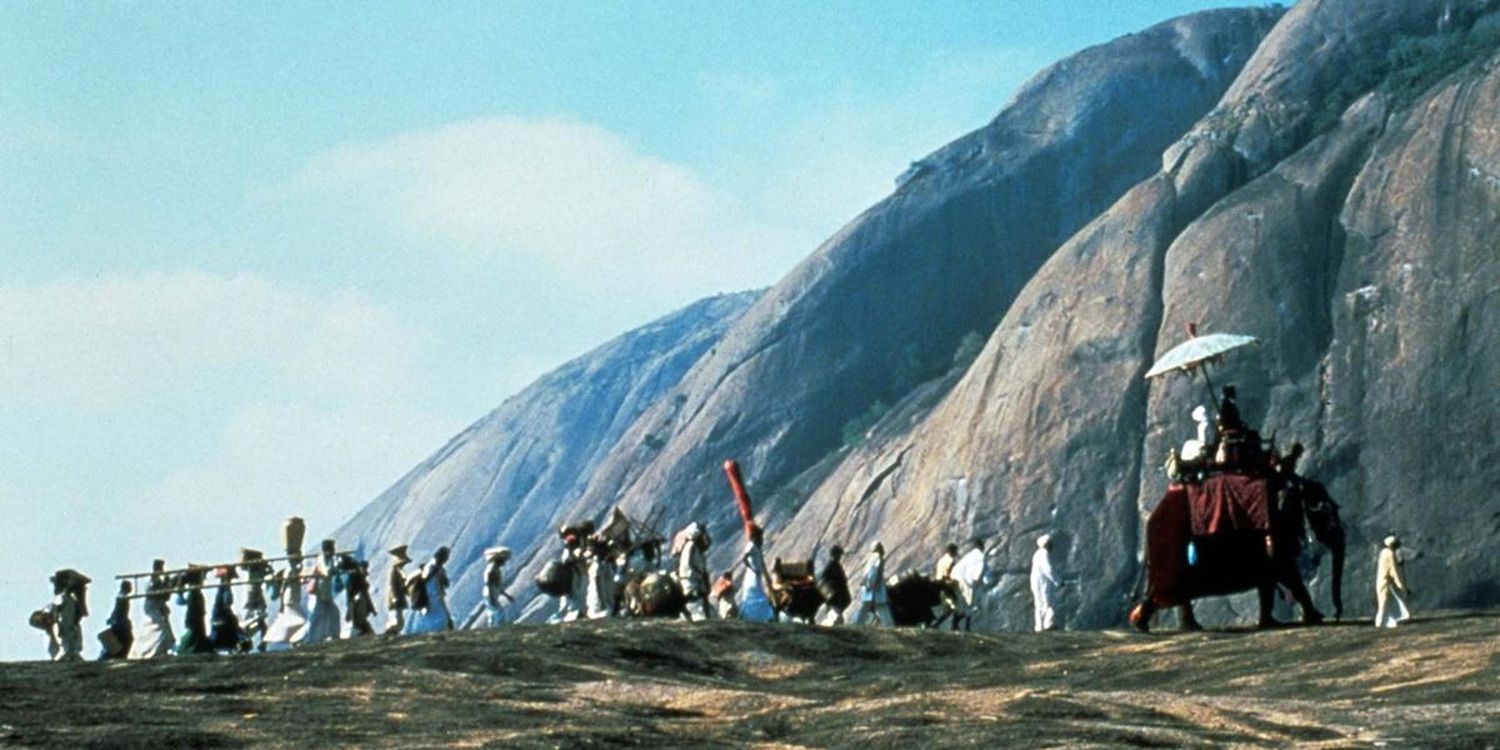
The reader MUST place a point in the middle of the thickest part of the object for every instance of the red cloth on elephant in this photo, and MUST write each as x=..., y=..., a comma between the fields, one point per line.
x=1229, y=502
x=1166, y=549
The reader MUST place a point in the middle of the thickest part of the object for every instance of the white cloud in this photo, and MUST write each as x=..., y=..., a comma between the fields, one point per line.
x=95, y=343
x=289, y=459
x=570, y=198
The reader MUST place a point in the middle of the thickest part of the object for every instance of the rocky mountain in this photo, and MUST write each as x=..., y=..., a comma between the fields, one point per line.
x=1341, y=204
x=886, y=304
x=966, y=357
x=501, y=480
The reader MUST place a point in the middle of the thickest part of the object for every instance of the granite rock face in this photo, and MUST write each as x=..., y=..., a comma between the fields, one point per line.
x=884, y=305
x=1364, y=257
x=966, y=358
x=501, y=480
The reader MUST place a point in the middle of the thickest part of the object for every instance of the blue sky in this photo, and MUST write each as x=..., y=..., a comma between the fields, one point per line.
x=260, y=259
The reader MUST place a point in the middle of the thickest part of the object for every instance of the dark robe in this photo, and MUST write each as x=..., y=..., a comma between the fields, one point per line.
x=121, y=628
x=226, y=634
x=194, y=638
x=833, y=584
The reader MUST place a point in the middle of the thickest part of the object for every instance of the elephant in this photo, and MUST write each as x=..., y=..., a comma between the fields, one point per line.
x=1256, y=544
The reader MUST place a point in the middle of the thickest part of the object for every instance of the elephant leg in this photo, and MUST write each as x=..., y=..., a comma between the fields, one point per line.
x=1336, y=587
x=1186, y=617
x=1293, y=583
x=1267, y=593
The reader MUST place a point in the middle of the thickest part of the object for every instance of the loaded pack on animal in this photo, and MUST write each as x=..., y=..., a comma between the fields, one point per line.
x=1235, y=514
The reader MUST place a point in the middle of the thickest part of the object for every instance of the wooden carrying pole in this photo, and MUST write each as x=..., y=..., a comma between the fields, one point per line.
x=268, y=581
x=239, y=564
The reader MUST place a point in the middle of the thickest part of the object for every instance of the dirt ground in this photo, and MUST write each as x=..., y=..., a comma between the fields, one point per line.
x=1433, y=683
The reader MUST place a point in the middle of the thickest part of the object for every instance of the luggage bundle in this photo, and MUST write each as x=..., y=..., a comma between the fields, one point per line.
x=556, y=578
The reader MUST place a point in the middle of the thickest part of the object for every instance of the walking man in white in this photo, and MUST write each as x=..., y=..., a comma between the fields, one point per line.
x=692, y=572
x=873, y=602
x=1044, y=585
x=1390, y=585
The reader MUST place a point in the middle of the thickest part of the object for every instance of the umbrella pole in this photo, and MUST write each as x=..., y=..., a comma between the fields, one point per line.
x=1213, y=403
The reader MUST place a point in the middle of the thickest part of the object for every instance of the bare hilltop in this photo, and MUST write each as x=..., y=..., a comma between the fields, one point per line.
x=1432, y=683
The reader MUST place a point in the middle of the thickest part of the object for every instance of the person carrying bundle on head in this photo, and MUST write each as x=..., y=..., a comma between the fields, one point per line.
x=494, y=585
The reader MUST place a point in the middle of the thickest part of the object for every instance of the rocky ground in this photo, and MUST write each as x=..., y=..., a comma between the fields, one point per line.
x=1434, y=683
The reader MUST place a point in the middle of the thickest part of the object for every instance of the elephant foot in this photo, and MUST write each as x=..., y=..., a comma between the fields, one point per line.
x=1312, y=617
x=1269, y=623
x=1191, y=625
x=1140, y=617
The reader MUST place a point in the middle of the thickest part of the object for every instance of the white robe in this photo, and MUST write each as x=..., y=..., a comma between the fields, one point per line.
x=154, y=637
x=874, y=602
x=323, y=623
x=436, y=617
x=755, y=603
x=1390, y=587
x=969, y=574
x=571, y=606
x=1044, y=585
x=66, y=635
x=291, y=617
x=601, y=591
x=494, y=603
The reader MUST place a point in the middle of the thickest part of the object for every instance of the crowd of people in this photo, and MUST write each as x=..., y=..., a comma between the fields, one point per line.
x=306, y=599
x=616, y=571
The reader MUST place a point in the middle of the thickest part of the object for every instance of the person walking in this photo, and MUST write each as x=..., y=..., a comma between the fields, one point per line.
x=874, y=604
x=324, y=623
x=156, y=638
x=194, y=638
x=433, y=616
x=118, y=636
x=833, y=584
x=755, y=582
x=692, y=572
x=359, y=604
x=600, y=598
x=255, y=615
x=494, y=585
x=1044, y=585
x=225, y=633
x=68, y=608
x=396, y=602
x=291, y=615
x=1390, y=586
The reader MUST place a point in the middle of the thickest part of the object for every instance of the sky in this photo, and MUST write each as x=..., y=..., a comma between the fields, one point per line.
x=259, y=260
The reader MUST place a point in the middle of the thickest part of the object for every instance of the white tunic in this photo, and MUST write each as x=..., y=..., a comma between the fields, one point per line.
x=494, y=587
x=601, y=591
x=291, y=617
x=969, y=573
x=1043, y=589
x=154, y=637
